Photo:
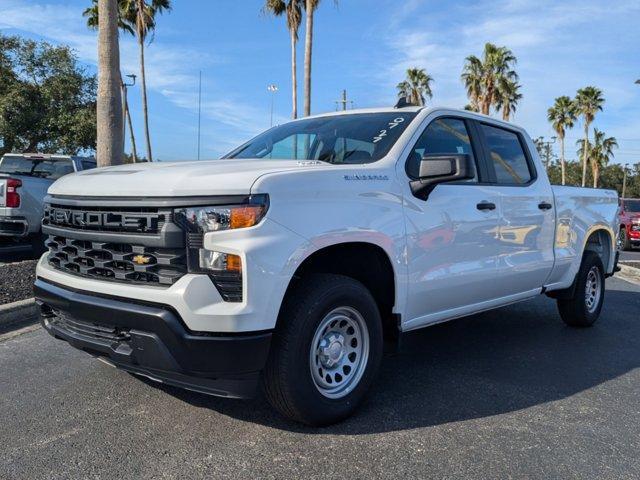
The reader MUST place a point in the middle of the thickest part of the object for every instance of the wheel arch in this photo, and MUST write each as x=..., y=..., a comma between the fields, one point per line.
x=367, y=262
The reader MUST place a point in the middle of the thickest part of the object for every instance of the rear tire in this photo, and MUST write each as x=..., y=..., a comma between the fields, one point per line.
x=583, y=308
x=326, y=350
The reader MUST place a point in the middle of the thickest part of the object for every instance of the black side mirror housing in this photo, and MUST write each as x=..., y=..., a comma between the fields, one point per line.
x=437, y=168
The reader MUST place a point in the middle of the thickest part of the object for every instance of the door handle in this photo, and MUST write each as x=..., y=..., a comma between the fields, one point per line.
x=486, y=206
x=545, y=206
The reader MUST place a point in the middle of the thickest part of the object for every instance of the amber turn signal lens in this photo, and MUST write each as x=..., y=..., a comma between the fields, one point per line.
x=234, y=263
x=245, y=216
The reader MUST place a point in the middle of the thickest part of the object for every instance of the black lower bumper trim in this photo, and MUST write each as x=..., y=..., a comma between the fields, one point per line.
x=151, y=340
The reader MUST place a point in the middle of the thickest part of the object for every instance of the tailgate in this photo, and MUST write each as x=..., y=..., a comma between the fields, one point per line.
x=3, y=191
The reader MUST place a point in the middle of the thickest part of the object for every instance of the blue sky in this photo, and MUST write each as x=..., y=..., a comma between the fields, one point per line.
x=361, y=45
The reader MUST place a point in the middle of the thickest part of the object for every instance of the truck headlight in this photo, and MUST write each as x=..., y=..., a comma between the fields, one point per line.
x=224, y=217
x=224, y=269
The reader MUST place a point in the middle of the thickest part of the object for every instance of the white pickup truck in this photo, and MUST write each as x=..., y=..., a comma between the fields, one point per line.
x=288, y=262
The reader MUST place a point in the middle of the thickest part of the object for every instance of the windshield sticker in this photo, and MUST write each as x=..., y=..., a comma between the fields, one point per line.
x=391, y=125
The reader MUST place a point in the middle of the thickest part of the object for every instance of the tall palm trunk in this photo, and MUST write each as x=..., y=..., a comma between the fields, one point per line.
x=596, y=174
x=109, y=101
x=145, y=110
x=308, y=44
x=506, y=111
x=562, y=165
x=585, y=152
x=294, y=75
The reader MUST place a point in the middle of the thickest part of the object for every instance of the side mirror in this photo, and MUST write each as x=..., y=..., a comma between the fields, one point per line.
x=436, y=169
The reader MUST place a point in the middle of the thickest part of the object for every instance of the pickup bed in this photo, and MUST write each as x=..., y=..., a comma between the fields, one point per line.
x=288, y=262
x=24, y=180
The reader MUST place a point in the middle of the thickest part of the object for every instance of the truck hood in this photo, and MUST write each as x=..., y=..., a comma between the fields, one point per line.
x=212, y=177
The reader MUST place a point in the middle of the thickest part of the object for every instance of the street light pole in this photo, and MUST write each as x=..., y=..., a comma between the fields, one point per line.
x=126, y=117
x=273, y=89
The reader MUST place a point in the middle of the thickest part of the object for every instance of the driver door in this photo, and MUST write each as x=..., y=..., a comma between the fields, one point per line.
x=452, y=236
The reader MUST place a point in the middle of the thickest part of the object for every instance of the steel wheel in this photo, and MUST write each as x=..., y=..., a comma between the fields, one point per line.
x=593, y=289
x=339, y=352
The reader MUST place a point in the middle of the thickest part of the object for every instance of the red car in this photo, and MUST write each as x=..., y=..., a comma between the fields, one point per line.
x=629, y=223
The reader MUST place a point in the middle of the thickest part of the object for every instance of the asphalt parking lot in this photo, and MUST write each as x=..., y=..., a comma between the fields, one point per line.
x=506, y=394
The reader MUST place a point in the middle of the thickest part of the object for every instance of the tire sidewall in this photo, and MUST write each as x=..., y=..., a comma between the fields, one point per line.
x=316, y=407
x=591, y=260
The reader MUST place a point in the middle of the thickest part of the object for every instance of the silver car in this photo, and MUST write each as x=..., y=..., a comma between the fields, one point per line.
x=24, y=180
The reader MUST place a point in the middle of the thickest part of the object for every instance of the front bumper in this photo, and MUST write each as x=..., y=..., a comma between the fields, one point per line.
x=151, y=340
x=13, y=227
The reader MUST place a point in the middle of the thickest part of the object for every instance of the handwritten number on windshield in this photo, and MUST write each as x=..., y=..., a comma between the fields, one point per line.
x=383, y=133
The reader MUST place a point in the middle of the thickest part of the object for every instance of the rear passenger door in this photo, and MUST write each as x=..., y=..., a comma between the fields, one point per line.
x=526, y=227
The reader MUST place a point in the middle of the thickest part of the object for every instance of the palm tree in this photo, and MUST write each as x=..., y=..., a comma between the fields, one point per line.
x=109, y=102
x=588, y=101
x=310, y=8
x=507, y=97
x=136, y=17
x=602, y=153
x=293, y=10
x=562, y=116
x=483, y=76
x=142, y=17
x=416, y=86
x=472, y=78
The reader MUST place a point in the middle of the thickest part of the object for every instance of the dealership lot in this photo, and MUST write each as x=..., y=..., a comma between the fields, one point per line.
x=506, y=393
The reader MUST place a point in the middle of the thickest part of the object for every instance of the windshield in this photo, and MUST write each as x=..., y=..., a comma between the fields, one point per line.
x=36, y=166
x=632, y=206
x=340, y=139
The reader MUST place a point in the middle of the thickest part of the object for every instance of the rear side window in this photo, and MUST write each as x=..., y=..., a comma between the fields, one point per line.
x=88, y=164
x=507, y=155
x=442, y=136
x=36, y=167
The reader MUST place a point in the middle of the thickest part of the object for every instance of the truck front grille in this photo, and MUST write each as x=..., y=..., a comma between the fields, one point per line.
x=143, y=220
x=117, y=261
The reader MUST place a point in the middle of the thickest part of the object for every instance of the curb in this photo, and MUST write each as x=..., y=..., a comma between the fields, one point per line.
x=18, y=314
x=630, y=274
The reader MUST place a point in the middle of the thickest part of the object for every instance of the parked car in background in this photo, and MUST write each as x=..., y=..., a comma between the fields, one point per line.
x=289, y=261
x=629, y=223
x=24, y=180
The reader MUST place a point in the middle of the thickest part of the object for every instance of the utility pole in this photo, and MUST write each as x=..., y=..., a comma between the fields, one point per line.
x=546, y=150
x=273, y=89
x=624, y=175
x=343, y=101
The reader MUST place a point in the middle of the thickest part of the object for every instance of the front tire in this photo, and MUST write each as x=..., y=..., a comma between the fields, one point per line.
x=326, y=350
x=583, y=308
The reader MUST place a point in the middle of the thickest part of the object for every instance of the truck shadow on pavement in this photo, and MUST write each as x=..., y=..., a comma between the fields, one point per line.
x=488, y=364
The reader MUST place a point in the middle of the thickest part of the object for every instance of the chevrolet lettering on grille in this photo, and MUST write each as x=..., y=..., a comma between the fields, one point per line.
x=83, y=219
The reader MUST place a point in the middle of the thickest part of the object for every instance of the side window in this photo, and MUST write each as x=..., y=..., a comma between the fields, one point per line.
x=442, y=136
x=53, y=169
x=507, y=155
x=88, y=164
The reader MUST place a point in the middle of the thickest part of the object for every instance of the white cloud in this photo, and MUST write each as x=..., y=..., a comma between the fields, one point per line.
x=560, y=46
